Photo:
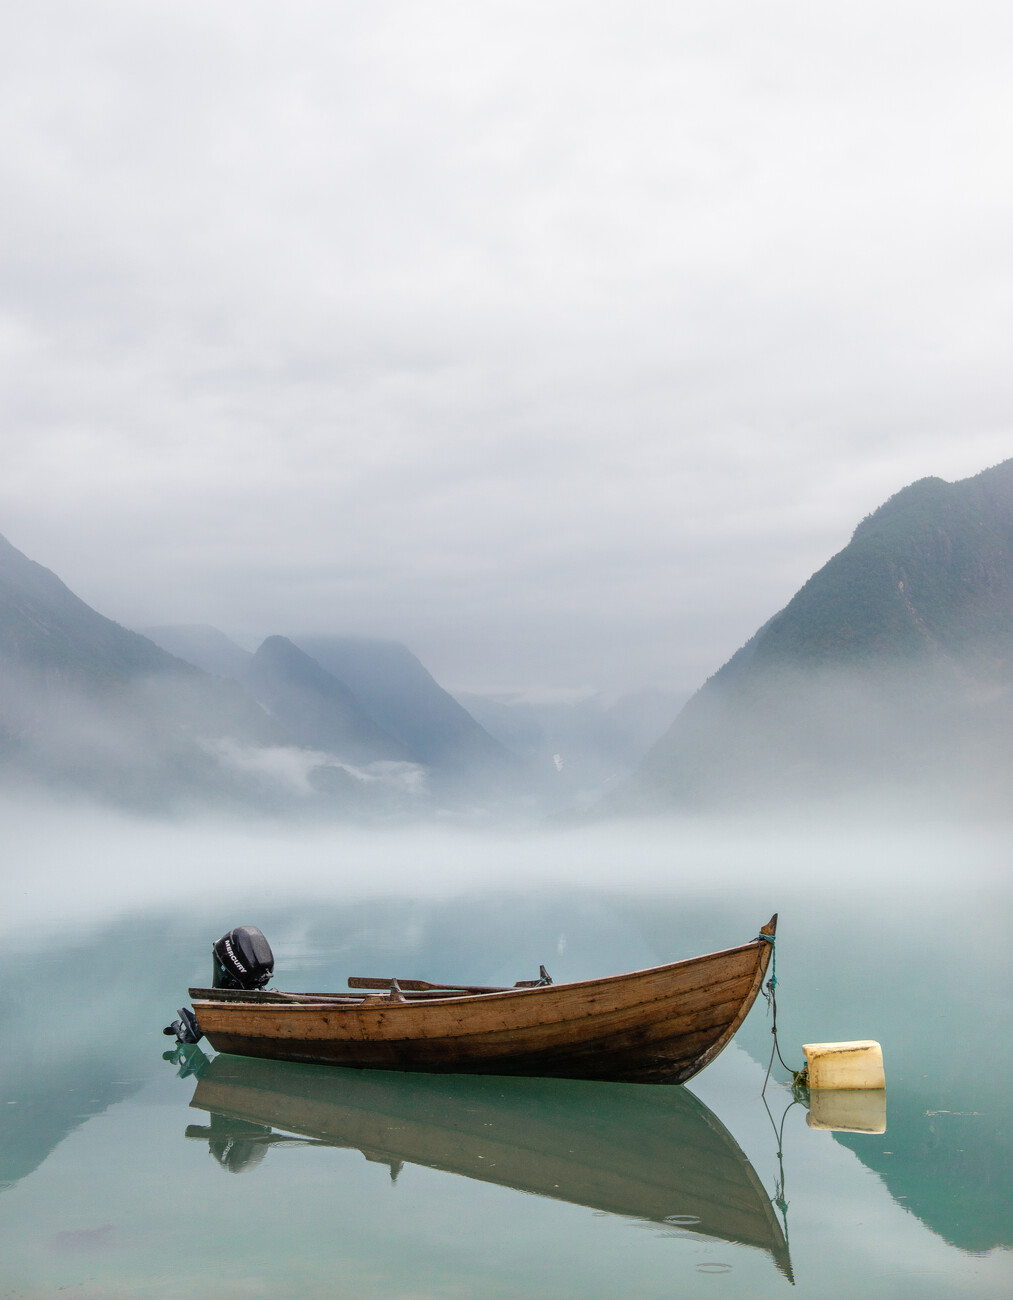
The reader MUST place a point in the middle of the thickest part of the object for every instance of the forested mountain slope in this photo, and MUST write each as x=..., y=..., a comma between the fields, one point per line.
x=889, y=675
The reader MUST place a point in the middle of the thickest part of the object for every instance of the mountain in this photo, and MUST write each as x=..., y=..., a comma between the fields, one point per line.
x=888, y=676
x=87, y=706
x=362, y=700
x=402, y=697
x=90, y=707
x=315, y=707
x=204, y=647
x=56, y=638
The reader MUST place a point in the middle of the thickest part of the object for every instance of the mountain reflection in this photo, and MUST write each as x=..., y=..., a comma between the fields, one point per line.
x=653, y=1154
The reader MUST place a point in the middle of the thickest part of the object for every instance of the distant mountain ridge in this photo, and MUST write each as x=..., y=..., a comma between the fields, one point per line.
x=87, y=704
x=203, y=646
x=566, y=753
x=889, y=676
x=927, y=575
x=890, y=672
x=363, y=698
x=56, y=636
x=399, y=693
x=315, y=707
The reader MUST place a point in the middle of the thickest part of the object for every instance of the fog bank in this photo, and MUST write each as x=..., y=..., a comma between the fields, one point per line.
x=74, y=865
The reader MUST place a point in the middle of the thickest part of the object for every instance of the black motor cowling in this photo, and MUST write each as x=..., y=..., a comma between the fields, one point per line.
x=242, y=959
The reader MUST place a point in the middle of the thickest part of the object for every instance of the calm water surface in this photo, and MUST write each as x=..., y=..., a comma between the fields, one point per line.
x=126, y=1174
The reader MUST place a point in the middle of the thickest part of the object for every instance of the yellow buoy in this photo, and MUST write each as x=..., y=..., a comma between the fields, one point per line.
x=845, y=1065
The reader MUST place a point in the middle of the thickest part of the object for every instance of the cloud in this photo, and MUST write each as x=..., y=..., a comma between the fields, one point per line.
x=300, y=771
x=561, y=342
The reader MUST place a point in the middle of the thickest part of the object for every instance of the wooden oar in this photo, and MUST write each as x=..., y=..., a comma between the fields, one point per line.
x=421, y=986
x=274, y=995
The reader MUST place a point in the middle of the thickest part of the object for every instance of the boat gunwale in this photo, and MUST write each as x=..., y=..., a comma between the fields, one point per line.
x=384, y=1000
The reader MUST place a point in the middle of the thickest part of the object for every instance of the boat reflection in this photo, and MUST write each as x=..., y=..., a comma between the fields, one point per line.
x=653, y=1154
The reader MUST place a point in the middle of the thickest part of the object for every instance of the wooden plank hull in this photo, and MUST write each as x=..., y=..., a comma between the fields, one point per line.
x=658, y=1025
x=655, y=1155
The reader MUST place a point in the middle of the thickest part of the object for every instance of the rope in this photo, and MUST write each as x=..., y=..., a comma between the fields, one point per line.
x=769, y=938
x=779, y=1199
x=770, y=993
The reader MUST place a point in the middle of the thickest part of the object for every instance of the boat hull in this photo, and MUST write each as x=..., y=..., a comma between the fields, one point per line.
x=652, y=1026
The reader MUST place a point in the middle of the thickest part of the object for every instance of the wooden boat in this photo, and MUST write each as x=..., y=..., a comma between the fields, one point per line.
x=660, y=1025
x=653, y=1155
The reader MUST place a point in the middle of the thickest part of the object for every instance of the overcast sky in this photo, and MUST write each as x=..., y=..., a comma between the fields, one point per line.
x=560, y=341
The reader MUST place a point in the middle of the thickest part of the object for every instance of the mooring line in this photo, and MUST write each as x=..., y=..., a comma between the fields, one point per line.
x=770, y=993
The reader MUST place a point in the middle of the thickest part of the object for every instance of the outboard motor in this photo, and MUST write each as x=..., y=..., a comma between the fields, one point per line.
x=242, y=959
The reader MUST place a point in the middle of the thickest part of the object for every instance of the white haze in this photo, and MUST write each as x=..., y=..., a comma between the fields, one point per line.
x=73, y=867
x=292, y=768
x=907, y=739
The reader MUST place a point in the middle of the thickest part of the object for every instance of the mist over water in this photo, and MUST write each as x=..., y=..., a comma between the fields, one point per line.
x=70, y=863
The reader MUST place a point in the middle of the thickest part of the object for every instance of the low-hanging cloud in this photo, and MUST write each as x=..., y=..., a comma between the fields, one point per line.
x=561, y=345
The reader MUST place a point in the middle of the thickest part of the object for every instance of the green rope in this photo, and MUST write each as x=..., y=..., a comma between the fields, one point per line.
x=772, y=982
x=770, y=993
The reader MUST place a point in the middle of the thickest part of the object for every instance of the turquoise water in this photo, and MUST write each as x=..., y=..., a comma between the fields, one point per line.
x=126, y=1174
